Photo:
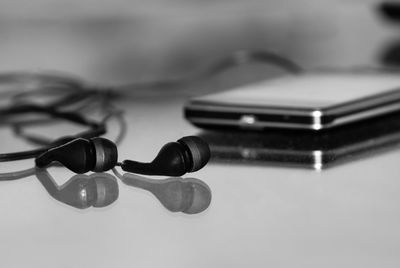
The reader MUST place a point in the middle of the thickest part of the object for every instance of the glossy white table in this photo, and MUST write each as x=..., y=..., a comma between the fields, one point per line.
x=260, y=216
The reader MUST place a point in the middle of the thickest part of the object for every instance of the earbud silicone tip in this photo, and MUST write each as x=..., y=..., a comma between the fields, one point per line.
x=106, y=154
x=199, y=151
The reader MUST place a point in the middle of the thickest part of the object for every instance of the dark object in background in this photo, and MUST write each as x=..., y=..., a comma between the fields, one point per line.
x=391, y=54
x=304, y=148
x=391, y=12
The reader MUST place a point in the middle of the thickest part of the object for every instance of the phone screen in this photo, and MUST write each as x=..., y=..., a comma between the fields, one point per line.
x=314, y=90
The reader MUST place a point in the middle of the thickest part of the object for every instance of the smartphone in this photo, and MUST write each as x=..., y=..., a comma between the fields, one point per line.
x=314, y=101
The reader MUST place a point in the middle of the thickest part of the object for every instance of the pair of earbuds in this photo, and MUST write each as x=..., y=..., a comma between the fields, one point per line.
x=188, y=154
x=100, y=189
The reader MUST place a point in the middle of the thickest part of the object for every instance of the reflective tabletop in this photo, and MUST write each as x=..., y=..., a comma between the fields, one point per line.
x=259, y=215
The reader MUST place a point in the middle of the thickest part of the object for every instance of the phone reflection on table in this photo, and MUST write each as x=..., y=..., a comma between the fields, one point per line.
x=305, y=148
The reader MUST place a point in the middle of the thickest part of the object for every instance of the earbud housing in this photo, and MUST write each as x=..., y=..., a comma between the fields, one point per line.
x=82, y=155
x=188, y=154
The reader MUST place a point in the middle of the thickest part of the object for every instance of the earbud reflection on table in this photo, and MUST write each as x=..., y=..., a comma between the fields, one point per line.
x=82, y=191
x=189, y=195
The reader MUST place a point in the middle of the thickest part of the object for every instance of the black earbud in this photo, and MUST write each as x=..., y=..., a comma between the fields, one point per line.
x=82, y=155
x=82, y=191
x=188, y=154
x=189, y=195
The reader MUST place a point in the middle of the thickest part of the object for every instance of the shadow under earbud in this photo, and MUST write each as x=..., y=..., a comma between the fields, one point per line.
x=176, y=194
x=82, y=191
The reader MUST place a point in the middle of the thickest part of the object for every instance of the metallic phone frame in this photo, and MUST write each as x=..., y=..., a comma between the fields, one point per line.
x=215, y=114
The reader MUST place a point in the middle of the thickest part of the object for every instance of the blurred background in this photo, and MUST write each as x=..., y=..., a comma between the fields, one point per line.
x=120, y=41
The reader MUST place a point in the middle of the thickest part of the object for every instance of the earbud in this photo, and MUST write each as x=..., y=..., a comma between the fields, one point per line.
x=189, y=195
x=82, y=155
x=82, y=191
x=188, y=154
